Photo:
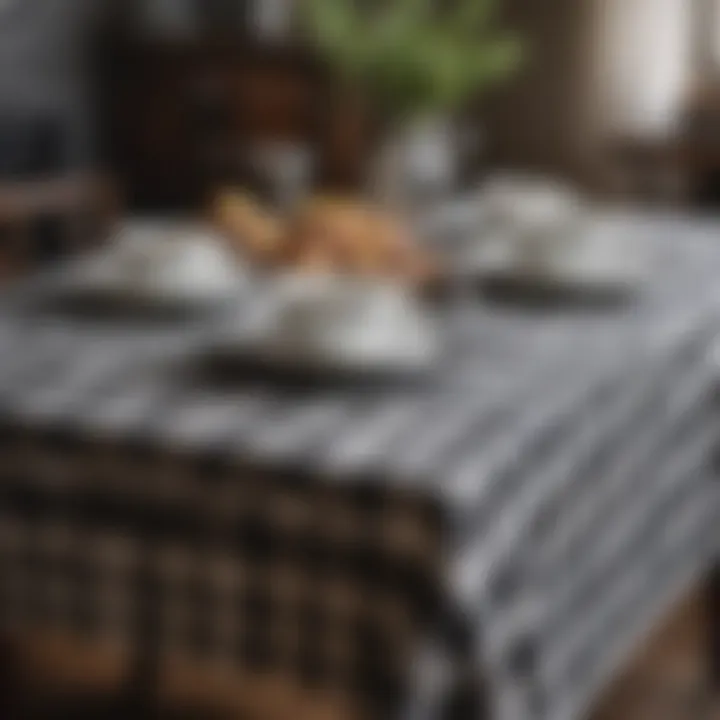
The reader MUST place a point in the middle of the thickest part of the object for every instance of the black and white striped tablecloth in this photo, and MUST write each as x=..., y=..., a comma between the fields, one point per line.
x=524, y=513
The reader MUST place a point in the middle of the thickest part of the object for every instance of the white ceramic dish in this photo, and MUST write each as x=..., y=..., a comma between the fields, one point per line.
x=539, y=216
x=597, y=256
x=340, y=325
x=178, y=266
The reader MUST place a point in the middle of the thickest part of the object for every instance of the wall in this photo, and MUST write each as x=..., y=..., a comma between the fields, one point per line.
x=42, y=66
x=535, y=121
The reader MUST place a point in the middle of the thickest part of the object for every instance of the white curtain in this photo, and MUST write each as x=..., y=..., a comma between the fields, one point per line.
x=643, y=63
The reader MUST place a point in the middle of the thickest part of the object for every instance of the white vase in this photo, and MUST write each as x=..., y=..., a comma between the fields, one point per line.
x=418, y=163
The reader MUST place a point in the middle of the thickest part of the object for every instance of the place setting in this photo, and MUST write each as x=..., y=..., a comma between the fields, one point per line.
x=151, y=271
x=343, y=290
x=537, y=243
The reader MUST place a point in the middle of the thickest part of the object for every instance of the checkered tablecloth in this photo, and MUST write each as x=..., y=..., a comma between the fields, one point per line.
x=517, y=519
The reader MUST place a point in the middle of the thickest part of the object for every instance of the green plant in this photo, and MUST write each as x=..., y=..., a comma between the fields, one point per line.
x=412, y=56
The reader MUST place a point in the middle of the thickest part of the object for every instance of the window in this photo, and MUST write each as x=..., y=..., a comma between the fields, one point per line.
x=645, y=62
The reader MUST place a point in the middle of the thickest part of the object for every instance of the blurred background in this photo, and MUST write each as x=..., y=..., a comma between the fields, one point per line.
x=610, y=92
x=167, y=93
x=604, y=78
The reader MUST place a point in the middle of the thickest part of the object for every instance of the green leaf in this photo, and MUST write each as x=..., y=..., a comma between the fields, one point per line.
x=472, y=16
x=408, y=56
x=401, y=16
x=498, y=59
x=330, y=21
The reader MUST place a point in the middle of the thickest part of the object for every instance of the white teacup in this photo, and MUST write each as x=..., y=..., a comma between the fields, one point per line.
x=350, y=320
x=539, y=221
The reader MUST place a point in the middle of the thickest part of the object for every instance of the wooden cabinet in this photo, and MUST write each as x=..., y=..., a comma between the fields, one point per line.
x=178, y=117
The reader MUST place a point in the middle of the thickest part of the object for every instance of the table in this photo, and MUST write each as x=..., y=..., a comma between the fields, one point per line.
x=508, y=530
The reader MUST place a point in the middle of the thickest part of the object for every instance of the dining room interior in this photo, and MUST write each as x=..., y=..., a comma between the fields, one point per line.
x=359, y=359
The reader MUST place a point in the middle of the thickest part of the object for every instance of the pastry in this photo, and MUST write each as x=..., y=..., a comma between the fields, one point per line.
x=327, y=235
x=248, y=226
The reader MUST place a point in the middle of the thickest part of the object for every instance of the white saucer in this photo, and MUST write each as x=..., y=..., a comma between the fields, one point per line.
x=178, y=266
x=602, y=258
x=340, y=325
